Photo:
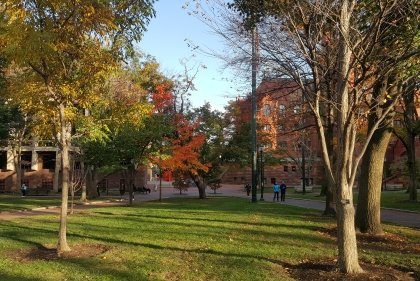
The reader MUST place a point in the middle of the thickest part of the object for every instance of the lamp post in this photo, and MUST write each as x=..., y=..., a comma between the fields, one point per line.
x=254, y=122
x=261, y=148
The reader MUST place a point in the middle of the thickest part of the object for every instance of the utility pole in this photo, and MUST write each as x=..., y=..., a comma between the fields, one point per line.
x=254, y=122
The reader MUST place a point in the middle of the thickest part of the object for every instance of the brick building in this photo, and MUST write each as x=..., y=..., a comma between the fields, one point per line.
x=284, y=127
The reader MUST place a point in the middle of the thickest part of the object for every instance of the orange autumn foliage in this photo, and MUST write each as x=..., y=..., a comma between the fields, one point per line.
x=184, y=141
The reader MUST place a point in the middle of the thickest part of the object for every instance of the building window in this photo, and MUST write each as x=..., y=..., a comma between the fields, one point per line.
x=281, y=128
x=282, y=110
x=242, y=180
x=269, y=145
x=296, y=109
x=286, y=168
x=267, y=127
x=397, y=123
x=293, y=168
x=282, y=144
x=2, y=185
x=267, y=110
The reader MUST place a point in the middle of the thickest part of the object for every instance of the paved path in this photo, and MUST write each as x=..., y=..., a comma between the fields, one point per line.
x=387, y=215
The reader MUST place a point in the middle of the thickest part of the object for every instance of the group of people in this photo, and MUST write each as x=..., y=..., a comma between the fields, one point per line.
x=277, y=188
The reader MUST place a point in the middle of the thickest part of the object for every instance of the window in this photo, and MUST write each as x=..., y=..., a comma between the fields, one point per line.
x=282, y=144
x=286, y=168
x=267, y=110
x=293, y=168
x=296, y=109
x=267, y=127
x=2, y=185
x=242, y=180
x=282, y=128
x=397, y=123
x=269, y=145
x=282, y=110
x=47, y=183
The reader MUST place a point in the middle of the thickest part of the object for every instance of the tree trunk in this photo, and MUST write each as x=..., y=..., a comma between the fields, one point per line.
x=202, y=190
x=411, y=163
x=64, y=142
x=57, y=171
x=368, y=214
x=348, y=261
x=346, y=233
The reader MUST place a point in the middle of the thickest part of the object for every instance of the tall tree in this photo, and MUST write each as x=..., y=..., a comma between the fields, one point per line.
x=289, y=43
x=65, y=50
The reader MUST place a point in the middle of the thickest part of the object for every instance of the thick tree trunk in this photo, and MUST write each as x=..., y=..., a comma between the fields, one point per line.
x=202, y=191
x=64, y=139
x=368, y=214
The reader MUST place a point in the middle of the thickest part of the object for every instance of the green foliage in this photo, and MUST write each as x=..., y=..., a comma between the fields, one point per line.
x=11, y=120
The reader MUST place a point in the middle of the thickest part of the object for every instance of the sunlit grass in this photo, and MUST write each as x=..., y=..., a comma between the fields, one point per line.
x=181, y=239
x=389, y=199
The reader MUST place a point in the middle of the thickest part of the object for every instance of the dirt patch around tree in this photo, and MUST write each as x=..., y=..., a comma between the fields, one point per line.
x=326, y=269
x=49, y=252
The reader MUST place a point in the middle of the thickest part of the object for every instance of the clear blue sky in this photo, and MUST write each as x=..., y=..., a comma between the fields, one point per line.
x=165, y=40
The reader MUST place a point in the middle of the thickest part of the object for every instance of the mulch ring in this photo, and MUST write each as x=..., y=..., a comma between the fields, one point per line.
x=49, y=252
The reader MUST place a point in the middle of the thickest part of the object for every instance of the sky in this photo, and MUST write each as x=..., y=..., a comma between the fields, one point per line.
x=165, y=39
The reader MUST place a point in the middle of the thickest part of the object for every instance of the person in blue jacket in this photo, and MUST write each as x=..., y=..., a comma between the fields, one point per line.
x=276, y=189
x=282, y=191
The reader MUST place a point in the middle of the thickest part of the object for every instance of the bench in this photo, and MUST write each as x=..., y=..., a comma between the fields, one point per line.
x=394, y=187
x=38, y=191
x=308, y=189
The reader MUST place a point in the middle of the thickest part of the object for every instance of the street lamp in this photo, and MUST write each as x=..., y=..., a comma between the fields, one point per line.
x=261, y=148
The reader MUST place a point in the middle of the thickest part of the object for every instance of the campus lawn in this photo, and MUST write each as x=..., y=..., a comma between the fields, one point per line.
x=17, y=203
x=221, y=238
x=389, y=199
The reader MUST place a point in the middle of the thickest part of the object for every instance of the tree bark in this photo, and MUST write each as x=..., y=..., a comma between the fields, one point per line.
x=64, y=143
x=368, y=214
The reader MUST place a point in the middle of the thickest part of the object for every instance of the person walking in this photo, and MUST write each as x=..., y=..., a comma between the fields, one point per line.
x=98, y=190
x=276, y=189
x=122, y=190
x=282, y=191
x=248, y=189
x=23, y=189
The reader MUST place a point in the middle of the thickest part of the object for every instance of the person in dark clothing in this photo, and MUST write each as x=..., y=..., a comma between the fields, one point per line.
x=122, y=190
x=248, y=189
x=282, y=191
x=97, y=190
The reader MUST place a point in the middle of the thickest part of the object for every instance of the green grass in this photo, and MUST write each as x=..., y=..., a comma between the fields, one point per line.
x=17, y=203
x=389, y=199
x=222, y=238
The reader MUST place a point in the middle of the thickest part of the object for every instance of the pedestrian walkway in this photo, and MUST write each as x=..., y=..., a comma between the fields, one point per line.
x=387, y=215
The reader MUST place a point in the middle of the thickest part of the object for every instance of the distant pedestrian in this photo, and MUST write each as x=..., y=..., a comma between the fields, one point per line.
x=23, y=189
x=282, y=191
x=276, y=189
x=98, y=191
x=248, y=189
x=122, y=190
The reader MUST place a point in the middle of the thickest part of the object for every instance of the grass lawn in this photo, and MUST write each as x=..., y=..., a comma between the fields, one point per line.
x=389, y=199
x=17, y=203
x=222, y=238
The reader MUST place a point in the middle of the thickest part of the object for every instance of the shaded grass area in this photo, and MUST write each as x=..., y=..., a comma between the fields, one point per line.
x=389, y=199
x=15, y=203
x=221, y=238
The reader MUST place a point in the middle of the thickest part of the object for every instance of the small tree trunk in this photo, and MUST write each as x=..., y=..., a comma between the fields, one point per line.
x=62, y=234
